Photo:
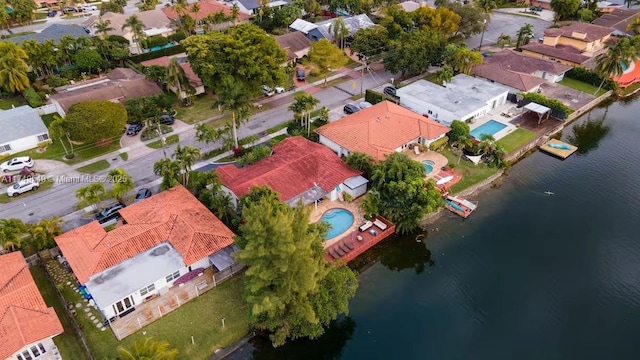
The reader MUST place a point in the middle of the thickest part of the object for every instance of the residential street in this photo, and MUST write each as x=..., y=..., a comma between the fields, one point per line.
x=60, y=200
x=504, y=23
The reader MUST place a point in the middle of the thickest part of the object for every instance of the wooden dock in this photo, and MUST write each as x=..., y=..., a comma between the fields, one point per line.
x=558, y=148
x=459, y=206
x=357, y=242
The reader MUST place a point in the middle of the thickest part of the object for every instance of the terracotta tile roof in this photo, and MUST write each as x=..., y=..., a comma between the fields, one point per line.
x=173, y=215
x=186, y=66
x=516, y=80
x=294, y=167
x=579, y=31
x=293, y=42
x=380, y=129
x=618, y=19
x=564, y=52
x=207, y=7
x=24, y=316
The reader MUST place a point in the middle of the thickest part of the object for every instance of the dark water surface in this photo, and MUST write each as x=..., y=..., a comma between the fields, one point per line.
x=528, y=276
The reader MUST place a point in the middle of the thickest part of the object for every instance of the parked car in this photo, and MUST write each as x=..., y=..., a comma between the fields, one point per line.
x=69, y=9
x=300, y=75
x=109, y=213
x=87, y=7
x=52, y=13
x=267, y=91
x=166, y=119
x=278, y=89
x=390, y=91
x=142, y=194
x=134, y=129
x=350, y=109
x=364, y=105
x=23, y=186
x=17, y=163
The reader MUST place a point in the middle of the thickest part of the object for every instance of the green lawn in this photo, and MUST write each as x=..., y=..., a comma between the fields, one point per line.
x=124, y=156
x=94, y=167
x=170, y=140
x=68, y=342
x=581, y=86
x=628, y=90
x=4, y=198
x=82, y=153
x=433, y=78
x=48, y=119
x=6, y=104
x=200, y=318
x=516, y=139
x=201, y=109
x=471, y=174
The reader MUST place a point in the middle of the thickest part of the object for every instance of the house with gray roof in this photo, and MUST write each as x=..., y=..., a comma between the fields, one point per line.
x=54, y=32
x=252, y=7
x=465, y=98
x=22, y=129
x=322, y=29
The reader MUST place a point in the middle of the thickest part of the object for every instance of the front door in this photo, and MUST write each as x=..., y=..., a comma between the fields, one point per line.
x=123, y=305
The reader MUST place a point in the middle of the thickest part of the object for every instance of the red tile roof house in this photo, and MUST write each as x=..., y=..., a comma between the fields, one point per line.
x=380, y=130
x=297, y=169
x=194, y=79
x=207, y=7
x=27, y=325
x=166, y=238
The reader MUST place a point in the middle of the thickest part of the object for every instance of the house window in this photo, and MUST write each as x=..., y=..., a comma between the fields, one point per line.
x=123, y=305
x=173, y=276
x=27, y=355
x=42, y=349
x=43, y=137
x=429, y=112
x=35, y=351
x=144, y=291
x=4, y=148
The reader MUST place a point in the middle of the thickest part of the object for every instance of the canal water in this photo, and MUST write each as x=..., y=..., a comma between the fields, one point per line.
x=528, y=276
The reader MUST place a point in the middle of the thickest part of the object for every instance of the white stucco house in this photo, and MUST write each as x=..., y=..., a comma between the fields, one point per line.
x=27, y=324
x=252, y=7
x=464, y=98
x=22, y=129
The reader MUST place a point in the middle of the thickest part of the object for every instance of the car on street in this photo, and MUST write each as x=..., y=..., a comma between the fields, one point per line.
x=17, y=164
x=52, y=13
x=142, y=194
x=134, y=129
x=166, y=119
x=390, y=91
x=23, y=186
x=300, y=75
x=87, y=7
x=350, y=109
x=278, y=89
x=109, y=213
x=267, y=91
x=69, y=9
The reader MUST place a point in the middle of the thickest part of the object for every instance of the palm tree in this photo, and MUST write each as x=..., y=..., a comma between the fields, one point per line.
x=524, y=35
x=195, y=9
x=11, y=234
x=175, y=77
x=56, y=129
x=91, y=194
x=486, y=6
x=370, y=204
x=186, y=157
x=302, y=106
x=149, y=349
x=137, y=28
x=42, y=233
x=503, y=40
x=122, y=183
x=170, y=172
x=617, y=57
x=207, y=134
x=236, y=98
x=103, y=27
x=445, y=74
x=339, y=31
x=13, y=68
x=634, y=26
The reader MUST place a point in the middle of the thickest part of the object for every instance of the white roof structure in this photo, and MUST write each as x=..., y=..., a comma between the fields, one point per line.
x=537, y=108
x=353, y=24
x=303, y=26
x=20, y=122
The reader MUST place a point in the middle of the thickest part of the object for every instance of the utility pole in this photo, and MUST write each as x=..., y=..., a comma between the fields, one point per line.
x=484, y=27
x=162, y=140
x=366, y=65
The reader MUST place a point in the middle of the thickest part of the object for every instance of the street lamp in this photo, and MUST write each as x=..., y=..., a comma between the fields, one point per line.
x=484, y=27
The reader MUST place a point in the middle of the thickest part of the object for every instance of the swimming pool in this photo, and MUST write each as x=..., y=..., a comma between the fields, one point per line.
x=428, y=166
x=156, y=48
x=339, y=219
x=491, y=127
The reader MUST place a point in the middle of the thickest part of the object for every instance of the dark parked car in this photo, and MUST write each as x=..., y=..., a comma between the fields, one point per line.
x=166, y=119
x=300, y=75
x=52, y=13
x=134, y=129
x=109, y=213
x=390, y=91
x=350, y=109
x=142, y=194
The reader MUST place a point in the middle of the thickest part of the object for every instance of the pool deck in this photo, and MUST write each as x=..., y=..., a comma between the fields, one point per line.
x=439, y=160
x=324, y=206
x=351, y=244
x=561, y=153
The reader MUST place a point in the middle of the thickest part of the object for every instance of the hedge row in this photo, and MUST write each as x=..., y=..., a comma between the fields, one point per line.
x=156, y=54
x=373, y=97
x=552, y=104
x=439, y=144
x=590, y=77
x=152, y=41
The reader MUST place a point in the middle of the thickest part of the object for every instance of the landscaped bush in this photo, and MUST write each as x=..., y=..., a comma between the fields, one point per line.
x=254, y=154
x=151, y=132
x=373, y=97
x=156, y=54
x=155, y=41
x=119, y=39
x=142, y=108
x=92, y=121
x=177, y=36
x=553, y=104
x=33, y=99
x=439, y=144
x=56, y=80
x=590, y=77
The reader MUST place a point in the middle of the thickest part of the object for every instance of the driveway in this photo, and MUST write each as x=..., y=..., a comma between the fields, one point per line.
x=135, y=149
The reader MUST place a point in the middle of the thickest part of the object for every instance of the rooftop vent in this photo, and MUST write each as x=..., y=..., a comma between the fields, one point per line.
x=456, y=101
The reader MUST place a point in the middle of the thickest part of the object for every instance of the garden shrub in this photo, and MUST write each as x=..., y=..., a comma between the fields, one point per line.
x=92, y=121
x=553, y=104
x=157, y=40
x=33, y=99
x=55, y=81
x=439, y=144
x=118, y=39
x=177, y=36
x=156, y=54
x=373, y=97
x=590, y=77
x=151, y=132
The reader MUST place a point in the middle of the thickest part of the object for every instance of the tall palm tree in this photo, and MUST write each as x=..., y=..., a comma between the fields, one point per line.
x=634, y=26
x=91, y=194
x=122, y=183
x=42, y=233
x=236, y=98
x=170, y=172
x=103, y=27
x=208, y=134
x=339, y=31
x=617, y=57
x=195, y=9
x=13, y=68
x=148, y=350
x=11, y=234
x=524, y=35
x=186, y=157
x=137, y=28
x=503, y=40
x=175, y=77
x=56, y=129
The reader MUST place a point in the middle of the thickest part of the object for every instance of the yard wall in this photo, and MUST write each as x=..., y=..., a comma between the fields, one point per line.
x=576, y=114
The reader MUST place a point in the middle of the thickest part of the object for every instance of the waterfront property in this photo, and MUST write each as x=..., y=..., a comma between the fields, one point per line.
x=27, y=324
x=465, y=98
x=22, y=129
x=380, y=130
x=297, y=170
x=339, y=220
x=354, y=243
x=558, y=148
x=167, y=244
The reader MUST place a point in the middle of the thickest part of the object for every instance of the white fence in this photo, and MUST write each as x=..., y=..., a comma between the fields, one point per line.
x=46, y=109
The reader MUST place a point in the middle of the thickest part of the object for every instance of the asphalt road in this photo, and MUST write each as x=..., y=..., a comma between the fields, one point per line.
x=60, y=200
x=502, y=23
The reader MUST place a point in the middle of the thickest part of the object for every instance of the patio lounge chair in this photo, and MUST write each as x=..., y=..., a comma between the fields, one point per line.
x=416, y=149
x=149, y=314
x=334, y=254
x=184, y=296
x=338, y=250
x=344, y=248
x=380, y=224
x=364, y=227
x=350, y=245
x=172, y=302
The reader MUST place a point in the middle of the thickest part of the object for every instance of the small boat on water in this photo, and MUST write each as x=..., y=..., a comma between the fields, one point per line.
x=548, y=192
x=559, y=146
x=459, y=206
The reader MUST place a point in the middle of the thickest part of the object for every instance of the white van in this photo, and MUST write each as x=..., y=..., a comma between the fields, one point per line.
x=87, y=7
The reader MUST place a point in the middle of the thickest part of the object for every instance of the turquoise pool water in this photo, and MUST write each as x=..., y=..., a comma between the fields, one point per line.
x=624, y=66
x=491, y=127
x=339, y=219
x=428, y=166
x=156, y=48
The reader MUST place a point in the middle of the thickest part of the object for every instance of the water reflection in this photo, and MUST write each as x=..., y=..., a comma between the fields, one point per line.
x=328, y=346
x=587, y=135
x=397, y=253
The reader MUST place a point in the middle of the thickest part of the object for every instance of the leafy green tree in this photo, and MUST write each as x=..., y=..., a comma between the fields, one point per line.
x=176, y=78
x=207, y=134
x=439, y=19
x=103, y=27
x=586, y=15
x=414, y=52
x=221, y=204
x=57, y=129
x=405, y=196
x=122, y=183
x=91, y=121
x=634, y=26
x=370, y=41
x=464, y=59
x=42, y=56
x=13, y=68
x=149, y=349
x=493, y=153
x=114, y=6
x=258, y=193
x=564, y=9
x=23, y=10
x=170, y=171
x=4, y=14
x=370, y=203
x=459, y=130
x=486, y=6
x=291, y=290
x=361, y=162
x=43, y=233
x=302, y=106
x=339, y=31
x=523, y=35
x=235, y=98
x=471, y=20
x=146, y=5
x=246, y=55
x=12, y=234
x=186, y=158
x=89, y=60
x=141, y=109
x=445, y=74
x=91, y=194
x=618, y=56
x=137, y=28
x=326, y=57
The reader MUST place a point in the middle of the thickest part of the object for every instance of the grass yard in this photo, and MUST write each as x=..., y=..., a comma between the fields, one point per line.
x=201, y=109
x=471, y=174
x=6, y=104
x=631, y=89
x=48, y=119
x=124, y=156
x=4, y=198
x=94, y=167
x=68, y=342
x=581, y=86
x=516, y=139
x=82, y=153
x=170, y=140
x=433, y=77
x=200, y=318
